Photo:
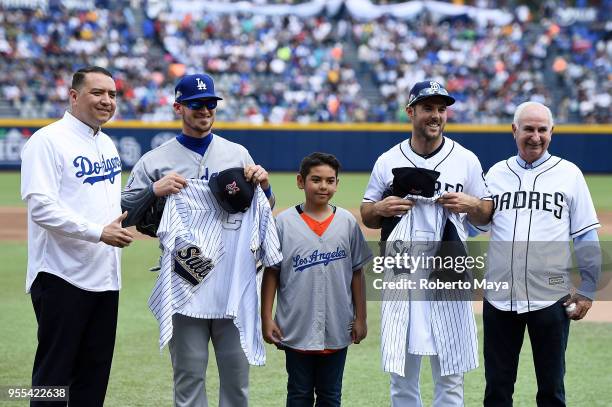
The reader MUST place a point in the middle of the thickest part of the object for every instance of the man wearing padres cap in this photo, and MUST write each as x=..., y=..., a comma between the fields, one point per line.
x=445, y=329
x=195, y=153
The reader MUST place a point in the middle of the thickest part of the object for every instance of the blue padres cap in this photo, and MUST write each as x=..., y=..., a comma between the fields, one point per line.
x=427, y=89
x=198, y=86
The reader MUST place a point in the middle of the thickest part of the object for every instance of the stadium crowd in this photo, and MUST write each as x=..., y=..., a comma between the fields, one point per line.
x=319, y=69
x=40, y=50
x=274, y=69
x=491, y=69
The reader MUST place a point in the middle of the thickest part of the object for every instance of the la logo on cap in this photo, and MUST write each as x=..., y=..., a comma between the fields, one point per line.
x=201, y=85
x=434, y=86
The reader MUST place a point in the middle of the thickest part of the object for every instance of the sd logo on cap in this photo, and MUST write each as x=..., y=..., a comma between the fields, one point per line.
x=232, y=191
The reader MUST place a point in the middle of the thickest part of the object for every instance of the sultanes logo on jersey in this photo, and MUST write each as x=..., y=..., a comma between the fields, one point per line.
x=302, y=263
x=232, y=189
x=191, y=265
x=533, y=200
x=96, y=171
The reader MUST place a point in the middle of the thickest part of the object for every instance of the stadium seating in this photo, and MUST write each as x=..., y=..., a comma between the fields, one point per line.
x=272, y=68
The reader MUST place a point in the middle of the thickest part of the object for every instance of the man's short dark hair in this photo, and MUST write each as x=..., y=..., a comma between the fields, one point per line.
x=79, y=76
x=316, y=159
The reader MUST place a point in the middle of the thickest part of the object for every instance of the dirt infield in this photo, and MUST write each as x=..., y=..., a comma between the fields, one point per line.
x=14, y=224
x=14, y=228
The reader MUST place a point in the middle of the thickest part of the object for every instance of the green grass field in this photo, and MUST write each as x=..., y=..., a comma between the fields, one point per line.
x=141, y=376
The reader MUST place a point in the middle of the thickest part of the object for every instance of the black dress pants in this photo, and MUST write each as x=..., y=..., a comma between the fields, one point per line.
x=76, y=339
x=503, y=338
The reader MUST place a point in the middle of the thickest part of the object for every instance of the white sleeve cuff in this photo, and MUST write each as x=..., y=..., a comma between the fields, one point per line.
x=93, y=232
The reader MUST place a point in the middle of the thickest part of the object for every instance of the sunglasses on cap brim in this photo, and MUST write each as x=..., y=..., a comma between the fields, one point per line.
x=199, y=104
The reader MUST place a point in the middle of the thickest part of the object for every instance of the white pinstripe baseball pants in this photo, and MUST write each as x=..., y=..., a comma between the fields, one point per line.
x=405, y=391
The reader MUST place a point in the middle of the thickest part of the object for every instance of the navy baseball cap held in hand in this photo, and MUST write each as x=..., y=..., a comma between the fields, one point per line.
x=198, y=86
x=232, y=191
x=428, y=89
x=414, y=181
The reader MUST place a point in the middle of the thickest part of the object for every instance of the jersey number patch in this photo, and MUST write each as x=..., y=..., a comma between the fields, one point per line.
x=232, y=221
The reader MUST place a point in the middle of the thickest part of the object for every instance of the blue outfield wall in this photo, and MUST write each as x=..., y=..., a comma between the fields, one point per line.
x=281, y=148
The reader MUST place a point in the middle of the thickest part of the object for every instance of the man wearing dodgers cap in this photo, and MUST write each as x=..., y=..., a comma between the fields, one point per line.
x=195, y=153
x=440, y=325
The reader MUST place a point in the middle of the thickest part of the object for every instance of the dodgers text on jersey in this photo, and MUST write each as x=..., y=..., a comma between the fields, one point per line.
x=109, y=168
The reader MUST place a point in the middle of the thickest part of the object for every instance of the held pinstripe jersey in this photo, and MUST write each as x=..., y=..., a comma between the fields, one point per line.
x=233, y=244
x=435, y=325
x=314, y=306
x=172, y=156
x=191, y=219
x=537, y=212
x=439, y=322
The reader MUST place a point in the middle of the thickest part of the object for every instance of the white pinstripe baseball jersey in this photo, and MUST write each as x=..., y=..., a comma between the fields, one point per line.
x=234, y=243
x=439, y=322
x=537, y=212
x=435, y=326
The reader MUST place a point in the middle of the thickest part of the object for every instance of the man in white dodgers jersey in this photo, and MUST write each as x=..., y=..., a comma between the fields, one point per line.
x=71, y=181
x=196, y=153
x=541, y=203
x=443, y=330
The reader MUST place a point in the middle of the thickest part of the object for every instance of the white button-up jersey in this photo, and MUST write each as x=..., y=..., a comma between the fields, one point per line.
x=71, y=180
x=537, y=213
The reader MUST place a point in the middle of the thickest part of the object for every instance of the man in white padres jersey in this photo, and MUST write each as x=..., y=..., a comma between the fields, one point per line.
x=195, y=153
x=444, y=330
x=71, y=181
x=541, y=203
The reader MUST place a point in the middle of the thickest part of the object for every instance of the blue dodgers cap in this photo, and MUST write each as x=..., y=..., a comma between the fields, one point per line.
x=427, y=89
x=198, y=86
